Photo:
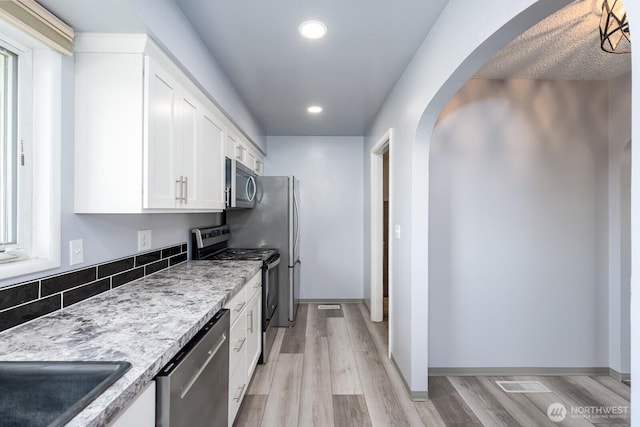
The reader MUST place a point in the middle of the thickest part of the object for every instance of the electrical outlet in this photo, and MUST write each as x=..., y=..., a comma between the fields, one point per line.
x=144, y=240
x=76, y=252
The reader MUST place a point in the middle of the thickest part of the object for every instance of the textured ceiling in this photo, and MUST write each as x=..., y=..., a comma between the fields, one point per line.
x=564, y=46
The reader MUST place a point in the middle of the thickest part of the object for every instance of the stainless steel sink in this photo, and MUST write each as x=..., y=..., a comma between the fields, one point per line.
x=51, y=393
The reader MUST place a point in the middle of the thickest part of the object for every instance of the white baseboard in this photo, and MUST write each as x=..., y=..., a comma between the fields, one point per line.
x=517, y=371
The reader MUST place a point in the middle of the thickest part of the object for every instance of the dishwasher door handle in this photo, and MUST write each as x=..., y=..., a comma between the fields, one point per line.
x=212, y=353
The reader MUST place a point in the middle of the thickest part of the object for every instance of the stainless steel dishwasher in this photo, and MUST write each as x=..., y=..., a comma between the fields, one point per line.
x=193, y=388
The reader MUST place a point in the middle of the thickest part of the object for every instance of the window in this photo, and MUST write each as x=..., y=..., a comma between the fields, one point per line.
x=30, y=134
x=8, y=149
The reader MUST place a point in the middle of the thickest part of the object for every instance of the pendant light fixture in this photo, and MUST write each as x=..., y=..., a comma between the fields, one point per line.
x=615, y=36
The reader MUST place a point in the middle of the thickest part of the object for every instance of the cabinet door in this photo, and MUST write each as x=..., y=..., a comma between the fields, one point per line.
x=188, y=121
x=254, y=333
x=211, y=163
x=258, y=168
x=251, y=161
x=160, y=149
x=141, y=411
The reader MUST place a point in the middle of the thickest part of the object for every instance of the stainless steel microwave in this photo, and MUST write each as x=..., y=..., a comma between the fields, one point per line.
x=240, y=185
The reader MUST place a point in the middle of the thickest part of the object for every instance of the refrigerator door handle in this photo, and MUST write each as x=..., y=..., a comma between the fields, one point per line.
x=297, y=241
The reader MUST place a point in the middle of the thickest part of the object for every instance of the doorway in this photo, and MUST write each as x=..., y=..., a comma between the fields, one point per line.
x=385, y=236
x=381, y=243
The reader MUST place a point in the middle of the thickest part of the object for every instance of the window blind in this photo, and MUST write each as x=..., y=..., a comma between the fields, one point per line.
x=34, y=19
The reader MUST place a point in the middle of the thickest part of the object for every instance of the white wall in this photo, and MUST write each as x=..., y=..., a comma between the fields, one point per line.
x=619, y=230
x=442, y=64
x=633, y=12
x=516, y=168
x=331, y=189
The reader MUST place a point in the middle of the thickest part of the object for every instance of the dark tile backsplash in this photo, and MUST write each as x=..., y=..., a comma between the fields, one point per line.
x=115, y=267
x=19, y=295
x=53, y=285
x=126, y=277
x=156, y=266
x=24, y=313
x=83, y=292
x=27, y=301
x=177, y=259
x=149, y=257
x=169, y=252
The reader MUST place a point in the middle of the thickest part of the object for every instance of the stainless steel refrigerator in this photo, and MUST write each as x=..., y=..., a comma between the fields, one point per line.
x=274, y=222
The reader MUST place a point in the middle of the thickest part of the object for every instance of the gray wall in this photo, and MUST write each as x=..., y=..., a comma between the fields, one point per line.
x=331, y=189
x=518, y=184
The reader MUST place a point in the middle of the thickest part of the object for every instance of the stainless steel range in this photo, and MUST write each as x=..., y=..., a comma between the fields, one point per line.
x=210, y=243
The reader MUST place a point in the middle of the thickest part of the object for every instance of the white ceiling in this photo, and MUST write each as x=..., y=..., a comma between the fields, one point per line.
x=278, y=74
x=350, y=72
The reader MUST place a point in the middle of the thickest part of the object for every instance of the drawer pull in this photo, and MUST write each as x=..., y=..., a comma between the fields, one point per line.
x=239, y=344
x=239, y=307
x=250, y=316
x=238, y=395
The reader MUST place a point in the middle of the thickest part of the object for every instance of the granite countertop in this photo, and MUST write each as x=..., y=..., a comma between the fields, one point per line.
x=144, y=322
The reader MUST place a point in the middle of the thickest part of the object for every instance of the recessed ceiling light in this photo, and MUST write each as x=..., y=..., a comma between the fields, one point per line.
x=315, y=109
x=312, y=29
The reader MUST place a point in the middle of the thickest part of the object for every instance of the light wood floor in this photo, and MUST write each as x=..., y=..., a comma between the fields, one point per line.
x=332, y=369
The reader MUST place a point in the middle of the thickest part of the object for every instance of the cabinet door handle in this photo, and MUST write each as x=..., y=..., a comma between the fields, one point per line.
x=179, y=185
x=239, y=307
x=238, y=395
x=239, y=344
x=186, y=189
x=250, y=316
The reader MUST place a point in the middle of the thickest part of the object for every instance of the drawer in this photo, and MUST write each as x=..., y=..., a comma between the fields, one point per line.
x=236, y=305
x=255, y=280
x=237, y=342
x=254, y=286
x=237, y=389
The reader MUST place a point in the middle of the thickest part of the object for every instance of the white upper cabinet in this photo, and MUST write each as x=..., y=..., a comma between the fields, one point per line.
x=161, y=136
x=146, y=138
x=211, y=184
x=241, y=150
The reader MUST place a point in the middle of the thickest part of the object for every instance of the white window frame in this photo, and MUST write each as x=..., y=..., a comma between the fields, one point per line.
x=39, y=138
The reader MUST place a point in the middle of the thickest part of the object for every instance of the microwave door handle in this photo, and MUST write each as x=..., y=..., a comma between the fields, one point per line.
x=255, y=188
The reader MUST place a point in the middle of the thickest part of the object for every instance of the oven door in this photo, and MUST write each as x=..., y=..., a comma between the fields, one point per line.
x=270, y=290
x=269, y=305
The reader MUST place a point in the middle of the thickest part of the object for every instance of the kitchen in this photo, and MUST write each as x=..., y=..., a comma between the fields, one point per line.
x=108, y=237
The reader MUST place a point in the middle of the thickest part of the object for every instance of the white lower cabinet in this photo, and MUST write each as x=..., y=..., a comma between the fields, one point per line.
x=141, y=411
x=254, y=339
x=245, y=340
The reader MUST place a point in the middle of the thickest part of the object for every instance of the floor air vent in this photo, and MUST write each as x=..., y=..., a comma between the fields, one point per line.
x=329, y=307
x=523, y=387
